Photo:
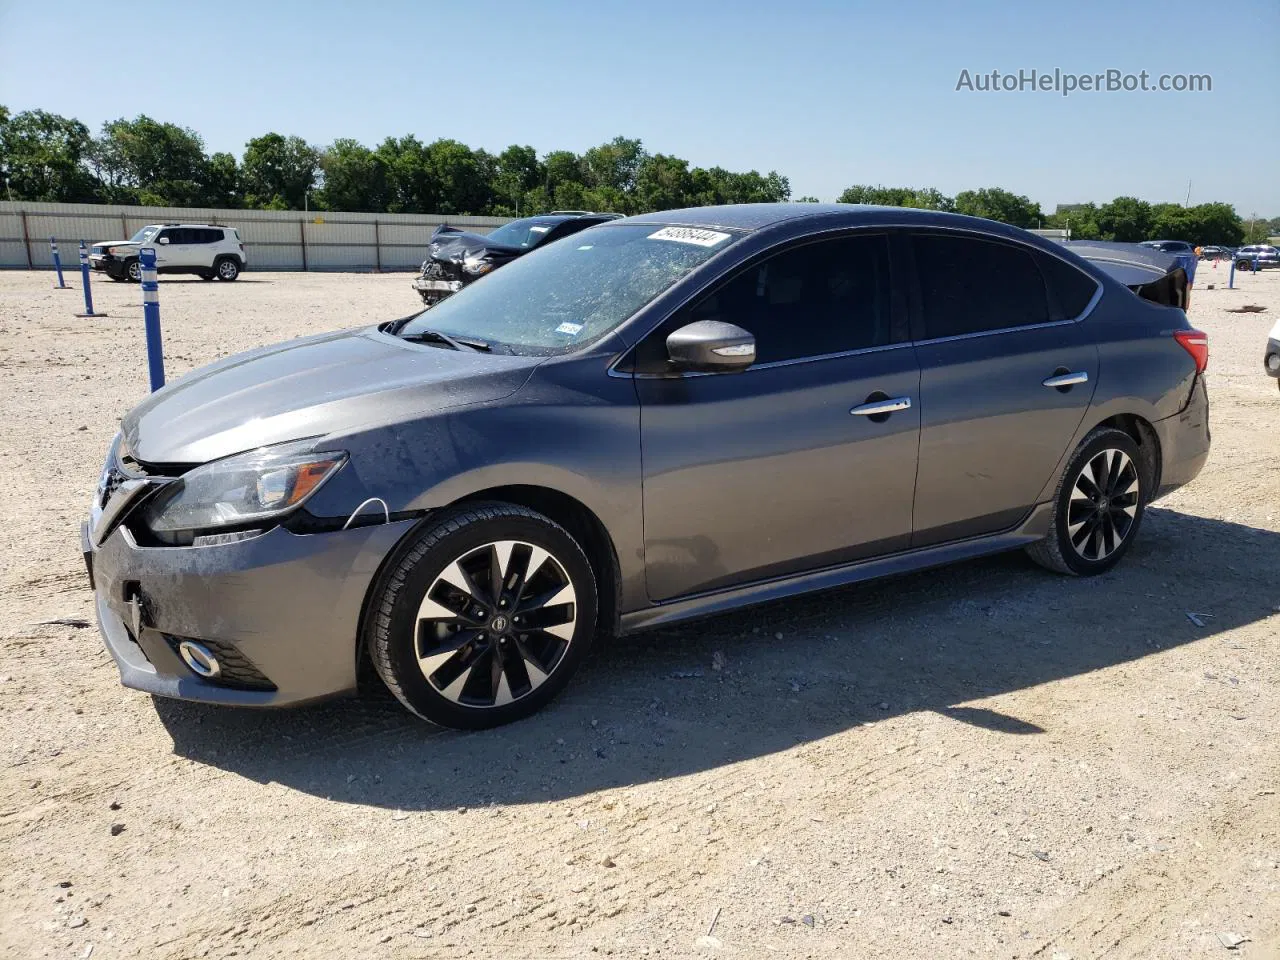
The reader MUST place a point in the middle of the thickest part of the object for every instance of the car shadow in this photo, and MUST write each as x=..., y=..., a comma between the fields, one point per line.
x=702, y=695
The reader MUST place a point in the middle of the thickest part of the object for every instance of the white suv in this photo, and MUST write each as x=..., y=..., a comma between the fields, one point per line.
x=200, y=248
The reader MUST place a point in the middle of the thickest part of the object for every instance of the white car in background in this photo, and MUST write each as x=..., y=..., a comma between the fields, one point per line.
x=204, y=249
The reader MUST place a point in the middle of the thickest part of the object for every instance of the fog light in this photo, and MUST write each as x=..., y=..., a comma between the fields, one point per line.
x=199, y=659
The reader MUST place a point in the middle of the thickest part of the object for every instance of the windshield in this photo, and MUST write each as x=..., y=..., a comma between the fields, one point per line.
x=144, y=235
x=521, y=233
x=569, y=293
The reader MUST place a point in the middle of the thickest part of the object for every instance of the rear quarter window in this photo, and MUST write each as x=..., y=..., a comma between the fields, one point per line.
x=1070, y=289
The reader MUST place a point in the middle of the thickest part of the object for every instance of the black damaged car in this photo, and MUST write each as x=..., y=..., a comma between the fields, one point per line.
x=458, y=257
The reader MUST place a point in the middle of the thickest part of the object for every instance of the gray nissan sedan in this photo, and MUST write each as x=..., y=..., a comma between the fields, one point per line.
x=659, y=418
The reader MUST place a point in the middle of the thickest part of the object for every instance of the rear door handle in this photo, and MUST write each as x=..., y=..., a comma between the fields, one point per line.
x=1067, y=379
x=879, y=408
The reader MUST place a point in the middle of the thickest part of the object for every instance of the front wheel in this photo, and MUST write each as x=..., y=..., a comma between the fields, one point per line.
x=484, y=618
x=1098, y=506
x=133, y=270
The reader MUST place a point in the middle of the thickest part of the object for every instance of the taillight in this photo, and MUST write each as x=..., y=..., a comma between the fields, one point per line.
x=1196, y=343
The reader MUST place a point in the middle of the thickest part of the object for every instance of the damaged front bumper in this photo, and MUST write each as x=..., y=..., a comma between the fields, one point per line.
x=280, y=611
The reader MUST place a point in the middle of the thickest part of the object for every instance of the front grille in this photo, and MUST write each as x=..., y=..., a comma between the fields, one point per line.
x=438, y=270
x=237, y=670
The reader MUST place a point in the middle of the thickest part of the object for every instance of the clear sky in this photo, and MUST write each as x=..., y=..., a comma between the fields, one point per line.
x=829, y=94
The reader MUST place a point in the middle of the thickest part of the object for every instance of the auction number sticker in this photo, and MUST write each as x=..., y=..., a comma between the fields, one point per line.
x=572, y=329
x=699, y=238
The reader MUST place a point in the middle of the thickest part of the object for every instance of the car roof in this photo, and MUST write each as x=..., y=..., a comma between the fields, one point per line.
x=749, y=217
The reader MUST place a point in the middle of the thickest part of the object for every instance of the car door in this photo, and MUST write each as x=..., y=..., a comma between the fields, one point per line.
x=784, y=466
x=1007, y=373
x=173, y=248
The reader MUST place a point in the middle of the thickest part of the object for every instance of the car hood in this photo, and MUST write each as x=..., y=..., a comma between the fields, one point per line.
x=450, y=244
x=115, y=243
x=333, y=383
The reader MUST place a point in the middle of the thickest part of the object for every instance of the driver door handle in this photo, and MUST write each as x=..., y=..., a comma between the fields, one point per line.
x=882, y=407
x=1067, y=379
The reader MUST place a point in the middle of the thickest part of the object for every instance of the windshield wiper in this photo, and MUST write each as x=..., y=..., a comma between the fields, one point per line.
x=457, y=343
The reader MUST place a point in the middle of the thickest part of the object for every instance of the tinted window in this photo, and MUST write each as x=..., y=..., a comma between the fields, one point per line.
x=809, y=301
x=171, y=233
x=208, y=235
x=1070, y=289
x=971, y=286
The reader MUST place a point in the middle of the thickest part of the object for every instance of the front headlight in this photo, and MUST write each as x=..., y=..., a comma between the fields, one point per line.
x=117, y=251
x=476, y=267
x=261, y=484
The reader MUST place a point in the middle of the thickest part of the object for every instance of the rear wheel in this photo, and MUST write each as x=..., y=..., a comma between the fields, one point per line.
x=1098, y=506
x=227, y=269
x=485, y=617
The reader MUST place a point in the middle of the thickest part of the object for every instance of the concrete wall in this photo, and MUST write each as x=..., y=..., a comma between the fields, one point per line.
x=273, y=239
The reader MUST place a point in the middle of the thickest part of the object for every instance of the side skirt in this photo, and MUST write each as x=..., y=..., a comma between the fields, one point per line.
x=1035, y=527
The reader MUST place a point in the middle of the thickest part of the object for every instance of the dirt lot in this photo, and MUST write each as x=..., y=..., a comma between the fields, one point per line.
x=986, y=760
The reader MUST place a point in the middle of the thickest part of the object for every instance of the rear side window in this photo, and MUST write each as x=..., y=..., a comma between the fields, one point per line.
x=1070, y=289
x=969, y=286
x=209, y=235
x=810, y=301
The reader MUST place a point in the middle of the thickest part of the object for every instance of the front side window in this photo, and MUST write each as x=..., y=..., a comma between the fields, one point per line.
x=565, y=295
x=809, y=301
x=969, y=285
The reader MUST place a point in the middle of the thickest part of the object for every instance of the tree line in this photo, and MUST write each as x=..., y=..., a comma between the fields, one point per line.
x=1124, y=219
x=44, y=156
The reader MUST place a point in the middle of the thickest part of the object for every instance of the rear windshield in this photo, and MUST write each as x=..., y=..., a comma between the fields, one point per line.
x=567, y=294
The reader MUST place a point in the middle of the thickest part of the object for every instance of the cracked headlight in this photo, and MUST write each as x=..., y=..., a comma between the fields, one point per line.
x=258, y=485
x=476, y=267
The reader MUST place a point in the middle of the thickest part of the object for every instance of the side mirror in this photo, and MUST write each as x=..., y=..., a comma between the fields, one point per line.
x=711, y=346
x=164, y=239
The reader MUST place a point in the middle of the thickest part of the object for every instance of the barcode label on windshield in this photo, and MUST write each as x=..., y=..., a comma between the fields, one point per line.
x=700, y=238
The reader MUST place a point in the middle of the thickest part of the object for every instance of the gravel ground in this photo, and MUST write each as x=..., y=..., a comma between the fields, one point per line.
x=984, y=760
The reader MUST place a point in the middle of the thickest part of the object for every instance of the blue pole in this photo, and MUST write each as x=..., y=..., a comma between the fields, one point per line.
x=84, y=281
x=57, y=263
x=1231, y=277
x=1255, y=264
x=151, y=316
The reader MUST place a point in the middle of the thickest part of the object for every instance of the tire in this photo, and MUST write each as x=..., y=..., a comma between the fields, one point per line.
x=207, y=274
x=133, y=271
x=227, y=269
x=1244, y=264
x=436, y=631
x=1097, y=507
x=118, y=277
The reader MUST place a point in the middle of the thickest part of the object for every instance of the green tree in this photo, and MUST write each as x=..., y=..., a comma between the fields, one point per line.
x=411, y=183
x=222, y=181
x=43, y=156
x=561, y=167
x=279, y=171
x=994, y=203
x=517, y=173
x=663, y=182
x=615, y=164
x=460, y=175
x=924, y=198
x=153, y=163
x=1125, y=219
x=355, y=178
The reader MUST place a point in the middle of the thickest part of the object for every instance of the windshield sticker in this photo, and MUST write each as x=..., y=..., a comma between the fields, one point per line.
x=572, y=329
x=699, y=238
